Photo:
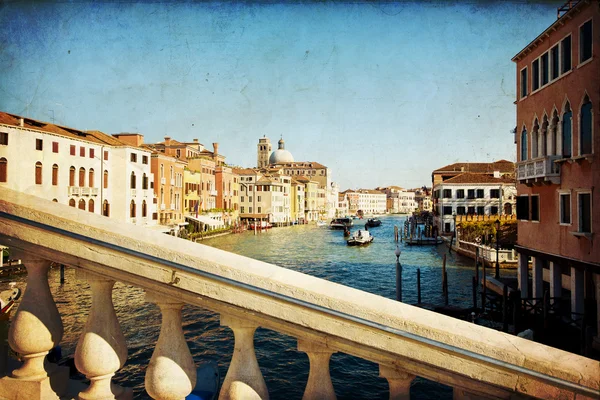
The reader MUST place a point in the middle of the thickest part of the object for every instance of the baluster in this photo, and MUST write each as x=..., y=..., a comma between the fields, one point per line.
x=101, y=349
x=171, y=373
x=398, y=380
x=36, y=328
x=243, y=381
x=319, y=384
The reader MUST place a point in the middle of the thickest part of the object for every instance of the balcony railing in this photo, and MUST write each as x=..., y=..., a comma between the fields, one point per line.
x=85, y=191
x=74, y=191
x=163, y=181
x=539, y=170
x=163, y=206
x=324, y=318
x=94, y=191
x=133, y=192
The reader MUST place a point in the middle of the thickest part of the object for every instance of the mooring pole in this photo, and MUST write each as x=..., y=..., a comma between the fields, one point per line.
x=398, y=275
x=477, y=265
x=418, y=285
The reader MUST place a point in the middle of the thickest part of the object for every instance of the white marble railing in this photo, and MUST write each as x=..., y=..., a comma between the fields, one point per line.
x=325, y=318
x=541, y=167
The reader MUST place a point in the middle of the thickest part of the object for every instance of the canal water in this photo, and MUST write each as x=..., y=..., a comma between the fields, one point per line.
x=313, y=250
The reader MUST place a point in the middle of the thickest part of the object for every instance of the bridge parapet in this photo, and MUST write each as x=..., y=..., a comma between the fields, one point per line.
x=325, y=318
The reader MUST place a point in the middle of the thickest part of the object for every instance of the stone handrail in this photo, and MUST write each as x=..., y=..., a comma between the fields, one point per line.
x=325, y=318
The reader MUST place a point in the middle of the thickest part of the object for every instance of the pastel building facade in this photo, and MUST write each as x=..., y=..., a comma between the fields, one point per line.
x=557, y=143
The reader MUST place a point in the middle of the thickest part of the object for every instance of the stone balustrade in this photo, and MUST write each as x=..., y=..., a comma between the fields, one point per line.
x=325, y=318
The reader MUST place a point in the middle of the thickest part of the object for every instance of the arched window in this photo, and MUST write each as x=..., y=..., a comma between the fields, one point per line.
x=524, y=144
x=132, y=181
x=534, y=139
x=55, y=200
x=162, y=196
x=91, y=178
x=106, y=209
x=144, y=209
x=585, y=132
x=132, y=209
x=554, y=134
x=171, y=172
x=81, y=177
x=144, y=182
x=3, y=170
x=162, y=170
x=91, y=206
x=72, y=176
x=72, y=202
x=544, y=137
x=566, y=131
x=54, y=175
x=105, y=179
x=171, y=198
x=81, y=204
x=38, y=173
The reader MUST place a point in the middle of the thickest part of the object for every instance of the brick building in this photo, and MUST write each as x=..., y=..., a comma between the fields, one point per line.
x=558, y=171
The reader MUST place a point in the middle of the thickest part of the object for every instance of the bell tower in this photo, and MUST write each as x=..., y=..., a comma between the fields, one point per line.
x=264, y=151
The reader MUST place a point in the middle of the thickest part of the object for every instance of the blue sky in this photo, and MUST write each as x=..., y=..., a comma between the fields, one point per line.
x=382, y=93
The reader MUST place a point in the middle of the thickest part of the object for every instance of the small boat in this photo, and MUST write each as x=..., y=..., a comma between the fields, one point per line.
x=373, y=222
x=207, y=382
x=321, y=223
x=260, y=225
x=360, y=238
x=340, y=223
x=8, y=298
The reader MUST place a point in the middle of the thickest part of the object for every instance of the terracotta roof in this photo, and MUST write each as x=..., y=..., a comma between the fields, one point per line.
x=71, y=133
x=481, y=168
x=301, y=164
x=244, y=171
x=468, y=177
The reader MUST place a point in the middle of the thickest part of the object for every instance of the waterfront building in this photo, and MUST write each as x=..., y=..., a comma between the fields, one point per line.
x=366, y=201
x=399, y=200
x=342, y=208
x=168, y=189
x=134, y=184
x=558, y=173
x=423, y=199
x=227, y=198
x=191, y=195
x=473, y=194
x=206, y=167
x=297, y=201
x=78, y=168
x=311, y=208
x=264, y=196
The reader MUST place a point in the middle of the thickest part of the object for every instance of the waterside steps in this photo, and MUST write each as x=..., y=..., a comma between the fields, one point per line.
x=324, y=317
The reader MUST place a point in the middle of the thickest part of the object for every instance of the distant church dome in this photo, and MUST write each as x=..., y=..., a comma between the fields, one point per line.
x=281, y=155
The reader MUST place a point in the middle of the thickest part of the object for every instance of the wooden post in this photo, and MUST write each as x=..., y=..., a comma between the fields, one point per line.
x=484, y=289
x=474, y=287
x=62, y=274
x=418, y=285
x=505, y=308
x=396, y=233
x=444, y=273
x=477, y=265
x=445, y=288
x=398, y=280
x=517, y=310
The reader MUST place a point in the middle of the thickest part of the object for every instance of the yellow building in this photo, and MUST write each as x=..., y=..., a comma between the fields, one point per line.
x=191, y=196
x=297, y=201
x=311, y=210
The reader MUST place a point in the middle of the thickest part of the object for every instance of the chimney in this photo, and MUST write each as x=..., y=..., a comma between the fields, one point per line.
x=21, y=122
x=167, y=140
x=496, y=174
x=216, y=150
x=195, y=140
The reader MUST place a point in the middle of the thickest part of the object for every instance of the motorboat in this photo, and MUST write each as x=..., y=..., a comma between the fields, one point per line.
x=259, y=225
x=207, y=382
x=8, y=298
x=360, y=238
x=341, y=223
x=321, y=223
x=373, y=222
